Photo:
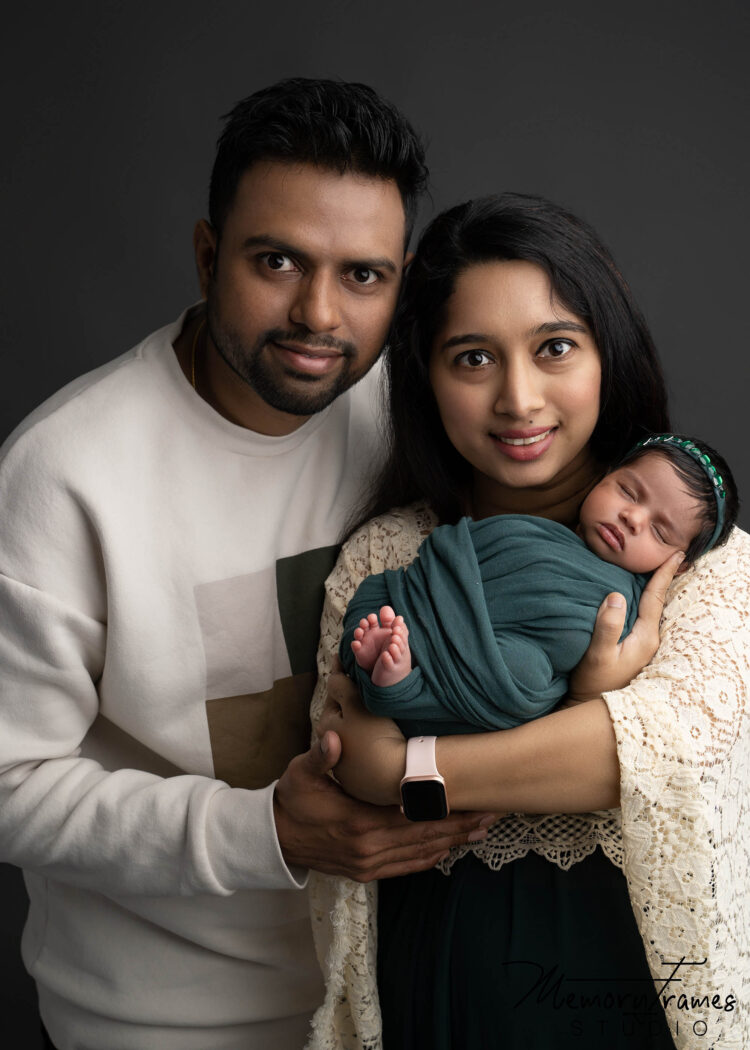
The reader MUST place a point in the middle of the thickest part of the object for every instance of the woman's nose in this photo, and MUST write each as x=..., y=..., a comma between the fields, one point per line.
x=316, y=305
x=521, y=392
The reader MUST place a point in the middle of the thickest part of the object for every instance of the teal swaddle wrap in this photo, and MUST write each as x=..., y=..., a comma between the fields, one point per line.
x=499, y=612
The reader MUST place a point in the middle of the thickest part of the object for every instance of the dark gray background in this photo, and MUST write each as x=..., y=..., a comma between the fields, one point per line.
x=633, y=115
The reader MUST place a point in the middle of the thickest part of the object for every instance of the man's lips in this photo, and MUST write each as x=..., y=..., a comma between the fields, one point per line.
x=310, y=360
x=525, y=445
x=611, y=535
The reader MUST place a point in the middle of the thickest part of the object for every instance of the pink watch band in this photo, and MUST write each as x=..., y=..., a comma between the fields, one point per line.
x=420, y=757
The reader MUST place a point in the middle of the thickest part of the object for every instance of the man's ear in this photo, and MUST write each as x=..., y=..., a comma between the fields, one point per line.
x=204, y=246
x=407, y=259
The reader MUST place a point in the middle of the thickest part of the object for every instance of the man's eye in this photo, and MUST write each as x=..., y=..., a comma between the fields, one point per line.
x=363, y=275
x=473, y=358
x=278, y=262
x=556, y=348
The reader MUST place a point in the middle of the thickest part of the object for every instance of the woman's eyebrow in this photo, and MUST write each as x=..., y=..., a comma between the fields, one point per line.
x=460, y=340
x=550, y=327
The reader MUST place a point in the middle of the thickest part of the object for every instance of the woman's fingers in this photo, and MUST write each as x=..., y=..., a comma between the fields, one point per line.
x=611, y=664
x=652, y=600
x=610, y=621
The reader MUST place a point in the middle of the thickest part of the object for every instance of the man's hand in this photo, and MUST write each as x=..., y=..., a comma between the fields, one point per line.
x=611, y=664
x=321, y=827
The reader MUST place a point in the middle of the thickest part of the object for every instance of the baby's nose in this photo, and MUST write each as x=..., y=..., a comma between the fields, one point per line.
x=634, y=517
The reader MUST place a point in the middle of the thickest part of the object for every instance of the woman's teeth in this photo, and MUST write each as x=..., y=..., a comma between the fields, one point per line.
x=525, y=441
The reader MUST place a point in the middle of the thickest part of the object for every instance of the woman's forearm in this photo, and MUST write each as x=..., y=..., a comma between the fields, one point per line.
x=565, y=762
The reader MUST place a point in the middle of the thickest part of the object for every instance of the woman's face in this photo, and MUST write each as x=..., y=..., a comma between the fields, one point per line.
x=516, y=376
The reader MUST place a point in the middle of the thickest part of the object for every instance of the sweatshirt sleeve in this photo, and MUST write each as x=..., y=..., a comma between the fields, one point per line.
x=63, y=815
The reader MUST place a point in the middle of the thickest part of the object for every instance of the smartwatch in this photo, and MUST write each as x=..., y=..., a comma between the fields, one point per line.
x=423, y=795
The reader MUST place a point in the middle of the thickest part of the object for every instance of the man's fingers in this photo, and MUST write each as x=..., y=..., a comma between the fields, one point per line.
x=323, y=757
x=401, y=860
x=387, y=830
x=404, y=867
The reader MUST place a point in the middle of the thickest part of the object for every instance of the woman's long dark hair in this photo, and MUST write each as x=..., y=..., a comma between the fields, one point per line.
x=422, y=463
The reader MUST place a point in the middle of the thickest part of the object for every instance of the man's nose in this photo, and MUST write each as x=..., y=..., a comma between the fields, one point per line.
x=316, y=304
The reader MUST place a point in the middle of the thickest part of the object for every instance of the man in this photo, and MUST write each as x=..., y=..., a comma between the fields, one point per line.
x=168, y=522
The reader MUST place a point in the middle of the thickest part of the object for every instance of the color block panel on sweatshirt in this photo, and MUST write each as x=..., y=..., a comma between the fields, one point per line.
x=300, y=586
x=242, y=635
x=260, y=638
x=254, y=737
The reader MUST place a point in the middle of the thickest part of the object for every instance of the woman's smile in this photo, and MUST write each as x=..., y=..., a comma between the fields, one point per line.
x=524, y=445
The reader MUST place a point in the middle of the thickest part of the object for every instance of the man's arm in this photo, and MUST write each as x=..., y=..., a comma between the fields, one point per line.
x=321, y=827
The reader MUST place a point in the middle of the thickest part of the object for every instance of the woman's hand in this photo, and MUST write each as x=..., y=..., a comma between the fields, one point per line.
x=611, y=664
x=373, y=755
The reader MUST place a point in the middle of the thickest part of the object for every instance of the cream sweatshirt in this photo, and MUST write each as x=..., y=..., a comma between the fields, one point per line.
x=161, y=583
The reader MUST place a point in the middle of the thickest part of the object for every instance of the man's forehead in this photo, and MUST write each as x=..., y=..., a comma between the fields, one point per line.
x=318, y=209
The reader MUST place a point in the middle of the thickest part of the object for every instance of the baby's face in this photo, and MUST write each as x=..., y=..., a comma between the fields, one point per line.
x=639, y=515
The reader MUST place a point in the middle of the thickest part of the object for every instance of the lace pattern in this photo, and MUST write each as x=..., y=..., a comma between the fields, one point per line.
x=682, y=836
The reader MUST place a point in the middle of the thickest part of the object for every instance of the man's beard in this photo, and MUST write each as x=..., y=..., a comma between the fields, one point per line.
x=268, y=379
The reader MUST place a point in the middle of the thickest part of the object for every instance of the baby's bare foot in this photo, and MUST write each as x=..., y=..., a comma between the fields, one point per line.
x=394, y=662
x=370, y=638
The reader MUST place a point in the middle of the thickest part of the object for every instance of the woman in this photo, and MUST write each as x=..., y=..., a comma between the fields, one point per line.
x=522, y=369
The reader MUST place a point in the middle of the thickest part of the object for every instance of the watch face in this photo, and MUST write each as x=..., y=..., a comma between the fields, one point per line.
x=424, y=800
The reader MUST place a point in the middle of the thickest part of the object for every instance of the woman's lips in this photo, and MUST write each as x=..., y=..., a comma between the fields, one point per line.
x=524, y=445
x=612, y=536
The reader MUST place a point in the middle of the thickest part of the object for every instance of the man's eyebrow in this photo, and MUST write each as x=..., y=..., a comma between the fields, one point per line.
x=274, y=244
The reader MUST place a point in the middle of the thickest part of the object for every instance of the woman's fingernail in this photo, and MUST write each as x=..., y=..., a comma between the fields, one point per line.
x=616, y=601
x=478, y=836
x=485, y=822
x=324, y=744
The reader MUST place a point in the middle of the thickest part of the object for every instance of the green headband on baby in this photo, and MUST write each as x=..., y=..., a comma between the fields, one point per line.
x=700, y=457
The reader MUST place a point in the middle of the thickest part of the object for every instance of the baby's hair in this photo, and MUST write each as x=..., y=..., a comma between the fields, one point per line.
x=698, y=482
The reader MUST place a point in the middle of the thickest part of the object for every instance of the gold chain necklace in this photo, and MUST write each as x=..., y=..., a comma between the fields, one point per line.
x=198, y=331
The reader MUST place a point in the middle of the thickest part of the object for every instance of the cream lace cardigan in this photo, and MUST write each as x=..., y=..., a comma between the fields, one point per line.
x=682, y=835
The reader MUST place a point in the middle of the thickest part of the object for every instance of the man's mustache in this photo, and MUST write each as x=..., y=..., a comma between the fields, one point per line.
x=321, y=342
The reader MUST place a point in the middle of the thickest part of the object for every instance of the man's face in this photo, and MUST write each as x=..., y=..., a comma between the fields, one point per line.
x=301, y=287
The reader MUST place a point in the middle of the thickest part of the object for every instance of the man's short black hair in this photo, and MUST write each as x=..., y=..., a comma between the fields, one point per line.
x=332, y=124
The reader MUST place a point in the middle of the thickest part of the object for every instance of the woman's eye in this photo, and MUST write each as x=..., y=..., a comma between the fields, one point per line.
x=473, y=358
x=278, y=263
x=556, y=348
x=363, y=275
